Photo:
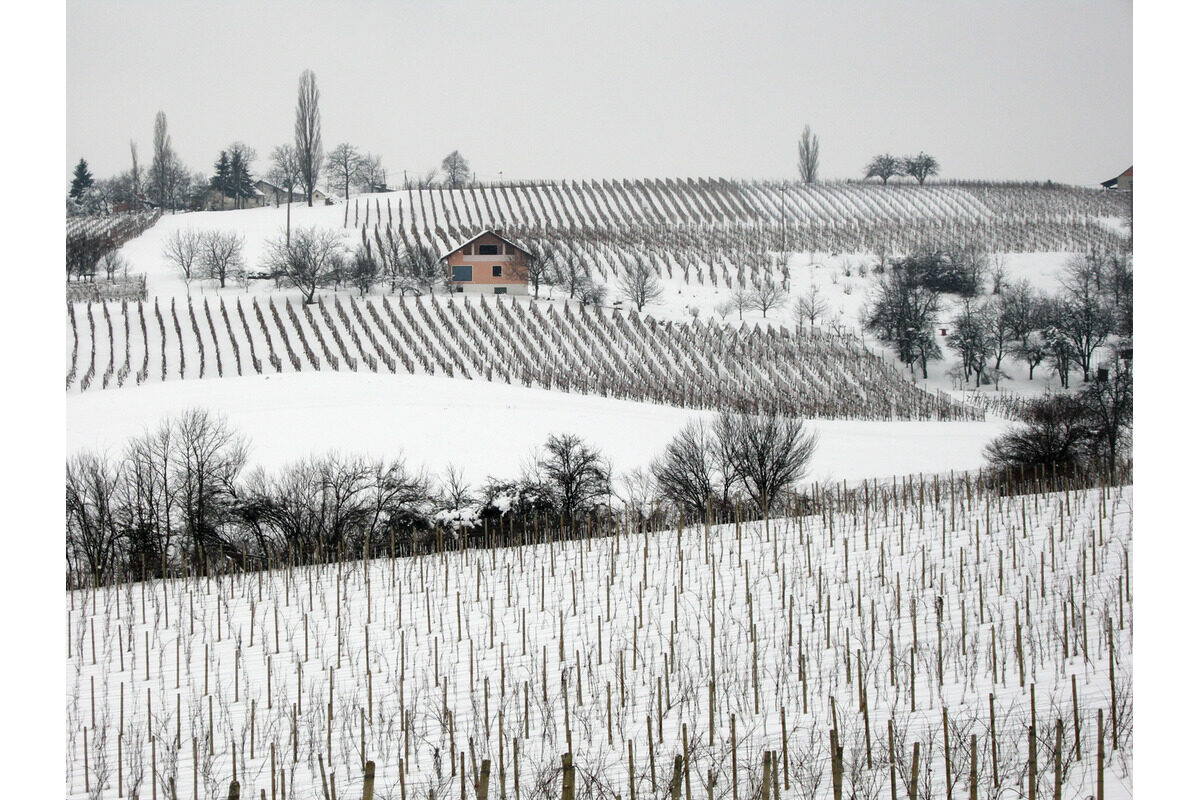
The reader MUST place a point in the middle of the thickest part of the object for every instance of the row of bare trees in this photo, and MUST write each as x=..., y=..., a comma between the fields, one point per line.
x=183, y=493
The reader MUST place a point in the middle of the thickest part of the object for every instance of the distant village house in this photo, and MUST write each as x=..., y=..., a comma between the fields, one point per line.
x=490, y=264
x=276, y=195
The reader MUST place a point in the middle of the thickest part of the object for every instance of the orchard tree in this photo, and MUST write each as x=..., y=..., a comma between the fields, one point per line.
x=639, y=283
x=767, y=296
x=921, y=166
x=182, y=248
x=221, y=255
x=364, y=269
x=456, y=169
x=810, y=307
x=883, y=167
x=312, y=259
x=309, y=154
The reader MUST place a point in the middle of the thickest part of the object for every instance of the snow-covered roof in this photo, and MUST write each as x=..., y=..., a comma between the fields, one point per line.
x=480, y=235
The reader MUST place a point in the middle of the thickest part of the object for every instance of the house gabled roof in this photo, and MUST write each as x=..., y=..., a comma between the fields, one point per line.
x=481, y=235
x=1111, y=182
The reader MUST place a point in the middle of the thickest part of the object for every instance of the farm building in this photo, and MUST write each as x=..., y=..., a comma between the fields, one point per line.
x=216, y=200
x=489, y=263
x=274, y=195
x=1122, y=181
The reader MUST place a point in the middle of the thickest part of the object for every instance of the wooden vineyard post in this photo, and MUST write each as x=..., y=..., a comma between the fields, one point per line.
x=1058, y=776
x=235, y=791
x=765, y=791
x=995, y=744
x=835, y=757
x=481, y=787
x=568, y=779
x=892, y=757
x=368, y=792
x=676, y=777
x=946, y=751
x=1032, y=764
x=1099, y=754
x=973, y=780
x=1075, y=713
x=916, y=767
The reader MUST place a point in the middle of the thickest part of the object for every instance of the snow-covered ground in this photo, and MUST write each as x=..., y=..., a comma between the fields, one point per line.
x=993, y=619
x=483, y=428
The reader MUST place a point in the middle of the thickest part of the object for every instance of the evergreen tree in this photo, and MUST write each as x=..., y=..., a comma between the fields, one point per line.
x=81, y=181
x=222, y=174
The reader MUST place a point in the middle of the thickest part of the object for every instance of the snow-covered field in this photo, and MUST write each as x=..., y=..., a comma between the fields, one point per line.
x=483, y=428
x=936, y=620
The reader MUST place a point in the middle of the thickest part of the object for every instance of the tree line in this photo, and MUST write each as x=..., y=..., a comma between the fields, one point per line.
x=185, y=495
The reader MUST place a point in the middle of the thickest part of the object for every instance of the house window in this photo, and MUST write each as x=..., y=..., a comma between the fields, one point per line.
x=461, y=274
x=497, y=271
x=501, y=290
x=489, y=250
x=467, y=250
x=458, y=289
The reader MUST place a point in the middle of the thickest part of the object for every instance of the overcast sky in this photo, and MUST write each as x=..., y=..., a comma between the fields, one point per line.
x=1008, y=90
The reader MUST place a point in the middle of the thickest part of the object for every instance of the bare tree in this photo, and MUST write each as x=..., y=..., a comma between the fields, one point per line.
x=883, y=167
x=309, y=154
x=344, y=162
x=1053, y=432
x=309, y=261
x=579, y=475
x=810, y=155
x=921, y=166
x=768, y=453
x=810, y=307
x=639, y=283
x=221, y=255
x=372, y=177
x=285, y=173
x=182, y=249
x=1088, y=318
x=767, y=296
x=161, y=166
x=570, y=272
x=422, y=268
x=210, y=457
x=93, y=536
x=113, y=262
x=1109, y=405
x=688, y=473
x=540, y=266
x=456, y=169
x=742, y=301
x=364, y=269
